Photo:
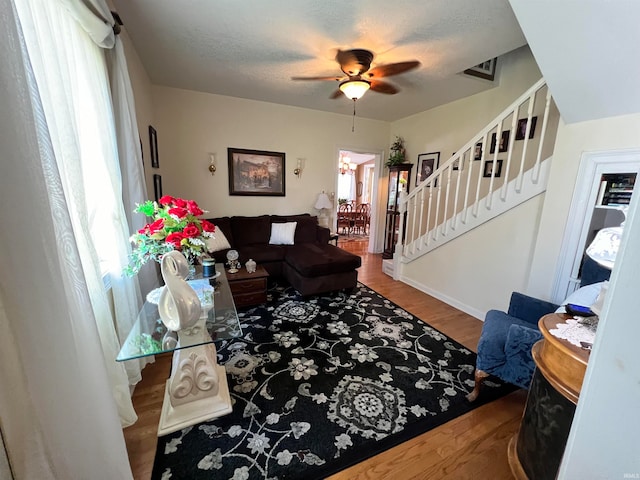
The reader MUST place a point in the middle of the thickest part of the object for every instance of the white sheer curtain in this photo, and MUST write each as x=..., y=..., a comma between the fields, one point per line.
x=70, y=71
x=56, y=400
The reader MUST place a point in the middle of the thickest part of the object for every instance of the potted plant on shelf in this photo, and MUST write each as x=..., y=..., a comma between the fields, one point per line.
x=398, y=152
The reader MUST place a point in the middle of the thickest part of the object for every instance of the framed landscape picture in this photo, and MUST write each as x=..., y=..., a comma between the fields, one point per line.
x=256, y=172
x=427, y=163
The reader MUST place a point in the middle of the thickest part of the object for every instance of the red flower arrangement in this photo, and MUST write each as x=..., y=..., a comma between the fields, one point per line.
x=175, y=227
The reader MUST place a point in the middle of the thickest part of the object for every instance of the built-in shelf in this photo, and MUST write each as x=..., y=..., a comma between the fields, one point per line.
x=616, y=189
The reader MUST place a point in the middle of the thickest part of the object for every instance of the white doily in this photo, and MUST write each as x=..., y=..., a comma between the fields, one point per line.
x=202, y=287
x=574, y=332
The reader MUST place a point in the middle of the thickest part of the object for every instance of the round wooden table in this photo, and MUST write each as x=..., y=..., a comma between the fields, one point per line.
x=535, y=452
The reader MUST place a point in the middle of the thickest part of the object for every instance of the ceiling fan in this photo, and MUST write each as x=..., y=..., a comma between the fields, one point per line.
x=359, y=76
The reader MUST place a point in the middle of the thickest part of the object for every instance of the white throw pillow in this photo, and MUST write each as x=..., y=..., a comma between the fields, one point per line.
x=282, y=233
x=217, y=242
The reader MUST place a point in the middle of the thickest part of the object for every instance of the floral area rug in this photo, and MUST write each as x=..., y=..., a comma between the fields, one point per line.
x=320, y=384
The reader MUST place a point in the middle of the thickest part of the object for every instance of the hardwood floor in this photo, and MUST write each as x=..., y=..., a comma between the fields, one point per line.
x=471, y=446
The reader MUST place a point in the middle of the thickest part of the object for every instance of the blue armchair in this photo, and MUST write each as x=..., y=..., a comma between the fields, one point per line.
x=504, y=348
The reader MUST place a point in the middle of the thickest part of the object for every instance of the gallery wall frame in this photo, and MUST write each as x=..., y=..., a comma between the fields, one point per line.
x=458, y=163
x=427, y=164
x=504, y=142
x=153, y=147
x=256, y=172
x=477, y=152
x=485, y=70
x=522, y=128
x=157, y=186
x=488, y=171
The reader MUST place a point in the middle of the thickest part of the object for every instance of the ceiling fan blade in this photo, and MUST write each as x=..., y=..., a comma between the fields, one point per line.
x=336, y=94
x=392, y=69
x=383, y=87
x=335, y=78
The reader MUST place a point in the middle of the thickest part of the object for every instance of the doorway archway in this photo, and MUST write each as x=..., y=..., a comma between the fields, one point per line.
x=360, y=185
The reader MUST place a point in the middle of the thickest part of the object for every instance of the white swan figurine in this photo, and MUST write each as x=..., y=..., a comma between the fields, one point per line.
x=179, y=305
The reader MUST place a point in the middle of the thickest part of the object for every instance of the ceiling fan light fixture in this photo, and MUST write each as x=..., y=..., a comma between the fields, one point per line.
x=354, y=89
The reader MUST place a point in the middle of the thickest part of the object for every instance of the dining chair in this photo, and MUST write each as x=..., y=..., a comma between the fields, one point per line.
x=362, y=217
x=345, y=217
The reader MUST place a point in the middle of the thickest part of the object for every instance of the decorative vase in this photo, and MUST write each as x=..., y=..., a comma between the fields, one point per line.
x=179, y=306
x=250, y=266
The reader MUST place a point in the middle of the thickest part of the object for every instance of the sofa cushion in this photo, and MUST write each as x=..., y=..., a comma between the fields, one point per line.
x=262, y=253
x=250, y=230
x=223, y=224
x=312, y=259
x=218, y=241
x=282, y=233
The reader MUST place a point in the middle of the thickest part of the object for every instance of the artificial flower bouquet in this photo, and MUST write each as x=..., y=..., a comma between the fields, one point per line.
x=175, y=226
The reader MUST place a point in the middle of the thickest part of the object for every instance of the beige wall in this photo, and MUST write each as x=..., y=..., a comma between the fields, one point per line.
x=478, y=271
x=191, y=125
x=609, y=134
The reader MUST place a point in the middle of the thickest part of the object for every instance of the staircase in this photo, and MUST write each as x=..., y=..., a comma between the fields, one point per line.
x=504, y=165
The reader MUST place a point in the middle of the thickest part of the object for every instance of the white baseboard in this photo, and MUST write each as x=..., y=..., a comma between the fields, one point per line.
x=387, y=267
x=474, y=312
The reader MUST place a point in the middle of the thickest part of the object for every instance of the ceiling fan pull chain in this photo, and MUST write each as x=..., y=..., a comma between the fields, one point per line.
x=353, y=120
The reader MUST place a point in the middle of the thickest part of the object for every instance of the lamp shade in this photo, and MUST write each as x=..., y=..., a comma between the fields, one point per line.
x=354, y=89
x=323, y=201
x=604, y=247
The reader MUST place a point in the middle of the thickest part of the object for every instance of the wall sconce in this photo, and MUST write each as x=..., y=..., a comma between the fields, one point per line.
x=212, y=163
x=300, y=166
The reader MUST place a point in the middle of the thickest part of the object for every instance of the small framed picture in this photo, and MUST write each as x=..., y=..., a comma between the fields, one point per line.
x=504, y=142
x=458, y=163
x=488, y=169
x=522, y=128
x=427, y=163
x=486, y=70
x=153, y=147
x=477, y=153
x=157, y=186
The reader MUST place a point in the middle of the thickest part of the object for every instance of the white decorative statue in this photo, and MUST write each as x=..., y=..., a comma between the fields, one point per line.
x=179, y=306
x=197, y=389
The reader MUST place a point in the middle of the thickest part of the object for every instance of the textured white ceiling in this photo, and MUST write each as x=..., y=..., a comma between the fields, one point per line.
x=252, y=49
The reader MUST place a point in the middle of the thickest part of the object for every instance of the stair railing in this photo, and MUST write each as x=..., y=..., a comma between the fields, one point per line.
x=450, y=199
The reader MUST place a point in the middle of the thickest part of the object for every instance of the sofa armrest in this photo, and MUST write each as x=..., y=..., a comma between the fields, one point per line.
x=528, y=308
x=323, y=234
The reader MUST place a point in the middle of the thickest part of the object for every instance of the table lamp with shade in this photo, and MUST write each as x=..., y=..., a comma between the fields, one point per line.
x=603, y=250
x=323, y=203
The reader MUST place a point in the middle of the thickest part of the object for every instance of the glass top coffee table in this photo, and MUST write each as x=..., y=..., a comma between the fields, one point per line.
x=197, y=389
x=149, y=336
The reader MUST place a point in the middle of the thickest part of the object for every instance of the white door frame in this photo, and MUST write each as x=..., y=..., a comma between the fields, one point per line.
x=375, y=230
x=592, y=166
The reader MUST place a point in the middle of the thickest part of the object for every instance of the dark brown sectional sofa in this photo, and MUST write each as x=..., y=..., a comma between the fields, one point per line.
x=312, y=266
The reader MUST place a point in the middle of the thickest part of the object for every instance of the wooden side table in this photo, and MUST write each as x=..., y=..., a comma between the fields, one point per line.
x=248, y=289
x=535, y=452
